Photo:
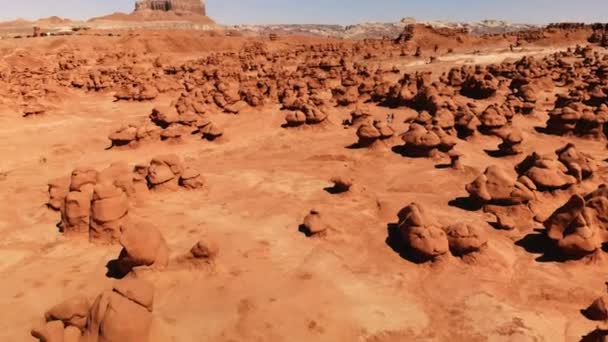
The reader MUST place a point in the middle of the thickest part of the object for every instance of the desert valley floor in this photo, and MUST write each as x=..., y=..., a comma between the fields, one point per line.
x=266, y=127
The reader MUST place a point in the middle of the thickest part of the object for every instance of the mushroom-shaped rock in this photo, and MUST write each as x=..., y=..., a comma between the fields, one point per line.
x=120, y=175
x=75, y=213
x=427, y=242
x=123, y=136
x=546, y=172
x=386, y=131
x=211, y=131
x=492, y=119
x=164, y=172
x=421, y=142
x=72, y=312
x=314, y=115
x=455, y=160
x=559, y=221
x=579, y=164
x=164, y=116
x=295, y=118
x=82, y=177
x=361, y=115
x=129, y=302
x=314, y=224
x=58, y=190
x=143, y=245
x=367, y=134
x=572, y=228
x=464, y=239
x=424, y=240
x=495, y=186
x=109, y=209
x=511, y=142
x=174, y=132
x=191, y=179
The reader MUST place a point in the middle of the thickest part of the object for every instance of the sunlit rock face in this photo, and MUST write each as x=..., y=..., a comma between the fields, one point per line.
x=194, y=6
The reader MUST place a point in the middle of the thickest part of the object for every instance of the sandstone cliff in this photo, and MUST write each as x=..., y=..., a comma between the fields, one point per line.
x=193, y=6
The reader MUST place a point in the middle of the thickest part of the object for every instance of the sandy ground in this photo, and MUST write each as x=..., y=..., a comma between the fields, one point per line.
x=270, y=282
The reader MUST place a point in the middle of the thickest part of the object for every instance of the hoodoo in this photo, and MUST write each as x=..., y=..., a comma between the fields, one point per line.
x=194, y=6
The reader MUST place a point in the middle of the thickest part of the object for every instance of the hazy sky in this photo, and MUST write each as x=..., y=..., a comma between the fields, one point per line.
x=334, y=11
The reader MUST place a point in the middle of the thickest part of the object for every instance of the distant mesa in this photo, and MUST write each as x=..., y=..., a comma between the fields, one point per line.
x=192, y=6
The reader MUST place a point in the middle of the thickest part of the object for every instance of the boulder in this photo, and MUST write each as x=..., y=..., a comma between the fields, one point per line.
x=423, y=142
x=511, y=142
x=295, y=118
x=314, y=224
x=124, y=135
x=109, y=209
x=495, y=186
x=424, y=240
x=580, y=165
x=164, y=116
x=546, y=172
x=191, y=179
x=143, y=246
x=58, y=190
x=72, y=312
x=464, y=239
x=122, y=315
x=120, y=175
x=82, y=177
x=164, y=172
x=573, y=228
x=75, y=213
x=211, y=131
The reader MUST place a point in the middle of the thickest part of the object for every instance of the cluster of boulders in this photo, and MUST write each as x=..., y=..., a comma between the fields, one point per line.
x=167, y=124
x=421, y=141
x=535, y=173
x=372, y=133
x=426, y=240
x=123, y=314
x=560, y=171
x=97, y=203
x=495, y=186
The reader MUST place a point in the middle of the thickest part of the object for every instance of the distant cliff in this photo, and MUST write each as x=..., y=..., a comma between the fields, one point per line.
x=193, y=6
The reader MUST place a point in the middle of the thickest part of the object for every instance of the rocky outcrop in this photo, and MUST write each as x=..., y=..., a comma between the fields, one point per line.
x=579, y=228
x=143, y=246
x=192, y=6
x=424, y=239
x=98, y=203
x=313, y=224
x=495, y=186
x=123, y=314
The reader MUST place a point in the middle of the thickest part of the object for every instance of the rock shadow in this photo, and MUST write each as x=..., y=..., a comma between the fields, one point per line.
x=466, y=203
x=595, y=335
x=115, y=269
x=539, y=243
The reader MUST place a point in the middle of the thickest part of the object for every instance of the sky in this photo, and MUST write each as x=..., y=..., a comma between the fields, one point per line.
x=334, y=11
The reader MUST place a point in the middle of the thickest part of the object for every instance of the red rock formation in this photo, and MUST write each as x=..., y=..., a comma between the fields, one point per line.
x=194, y=6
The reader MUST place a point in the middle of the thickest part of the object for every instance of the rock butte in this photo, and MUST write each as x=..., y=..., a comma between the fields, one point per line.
x=193, y=6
